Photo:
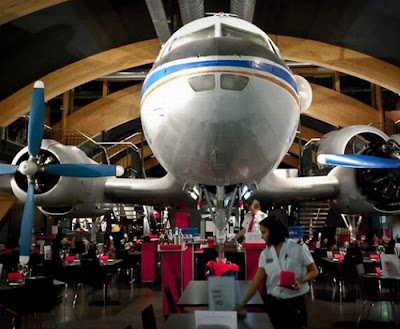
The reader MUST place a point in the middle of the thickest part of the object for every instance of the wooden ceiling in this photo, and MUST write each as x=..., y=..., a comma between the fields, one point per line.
x=145, y=52
x=13, y=9
x=110, y=111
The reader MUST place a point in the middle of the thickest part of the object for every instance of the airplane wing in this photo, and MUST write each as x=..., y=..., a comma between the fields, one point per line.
x=165, y=191
x=276, y=187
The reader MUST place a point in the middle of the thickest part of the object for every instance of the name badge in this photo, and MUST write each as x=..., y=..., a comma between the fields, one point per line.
x=269, y=260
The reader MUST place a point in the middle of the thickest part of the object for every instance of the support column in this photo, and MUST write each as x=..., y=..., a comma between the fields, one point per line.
x=379, y=106
x=337, y=81
x=67, y=105
x=106, y=88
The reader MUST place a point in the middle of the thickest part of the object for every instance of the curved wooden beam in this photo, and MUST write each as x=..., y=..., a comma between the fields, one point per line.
x=78, y=73
x=119, y=107
x=106, y=113
x=126, y=160
x=291, y=161
x=145, y=52
x=121, y=147
x=338, y=109
x=13, y=9
x=339, y=59
x=7, y=202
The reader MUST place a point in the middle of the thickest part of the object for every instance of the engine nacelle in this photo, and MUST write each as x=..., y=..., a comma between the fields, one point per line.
x=82, y=209
x=364, y=190
x=350, y=199
x=61, y=194
x=337, y=141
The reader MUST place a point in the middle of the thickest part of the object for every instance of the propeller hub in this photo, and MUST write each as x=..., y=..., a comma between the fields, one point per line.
x=27, y=168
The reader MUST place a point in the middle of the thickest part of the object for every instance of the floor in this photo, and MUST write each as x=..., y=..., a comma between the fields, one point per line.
x=323, y=312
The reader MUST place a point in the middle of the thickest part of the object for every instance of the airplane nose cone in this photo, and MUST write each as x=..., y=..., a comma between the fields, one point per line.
x=27, y=168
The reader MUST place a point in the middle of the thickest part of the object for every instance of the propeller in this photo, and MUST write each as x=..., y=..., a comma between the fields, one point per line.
x=30, y=167
x=358, y=161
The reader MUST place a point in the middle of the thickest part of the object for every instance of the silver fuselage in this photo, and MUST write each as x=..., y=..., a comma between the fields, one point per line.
x=220, y=136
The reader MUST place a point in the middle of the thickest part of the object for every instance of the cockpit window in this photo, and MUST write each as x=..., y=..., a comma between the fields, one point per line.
x=233, y=82
x=202, y=82
x=275, y=48
x=230, y=31
x=202, y=34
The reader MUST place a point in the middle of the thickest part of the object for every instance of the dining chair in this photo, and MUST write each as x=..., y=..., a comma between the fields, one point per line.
x=38, y=296
x=371, y=294
x=148, y=318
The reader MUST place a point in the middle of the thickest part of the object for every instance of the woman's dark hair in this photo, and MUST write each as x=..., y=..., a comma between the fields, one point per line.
x=278, y=231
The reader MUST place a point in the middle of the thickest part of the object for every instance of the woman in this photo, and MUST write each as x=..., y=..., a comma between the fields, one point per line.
x=285, y=305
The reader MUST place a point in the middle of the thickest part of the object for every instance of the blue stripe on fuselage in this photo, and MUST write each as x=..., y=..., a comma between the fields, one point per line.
x=264, y=67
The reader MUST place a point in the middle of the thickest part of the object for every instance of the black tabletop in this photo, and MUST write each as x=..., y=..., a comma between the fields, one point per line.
x=366, y=260
x=186, y=321
x=196, y=294
x=110, y=262
x=380, y=277
x=5, y=286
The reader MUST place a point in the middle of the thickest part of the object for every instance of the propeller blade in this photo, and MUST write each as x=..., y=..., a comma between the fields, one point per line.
x=357, y=161
x=27, y=225
x=36, y=119
x=83, y=170
x=6, y=169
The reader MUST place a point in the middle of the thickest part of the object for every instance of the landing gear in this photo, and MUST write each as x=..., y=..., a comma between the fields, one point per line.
x=222, y=214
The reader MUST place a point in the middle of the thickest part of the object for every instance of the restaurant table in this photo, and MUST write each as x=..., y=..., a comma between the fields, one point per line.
x=366, y=260
x=251, y=321
x=109, y=266
x=391, y=284
x=196, y=294
x=334, y=265
x=12, y=291
x=5, y=286
x=109, y=263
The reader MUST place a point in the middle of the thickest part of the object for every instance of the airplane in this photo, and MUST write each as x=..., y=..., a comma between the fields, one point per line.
x=220, y=109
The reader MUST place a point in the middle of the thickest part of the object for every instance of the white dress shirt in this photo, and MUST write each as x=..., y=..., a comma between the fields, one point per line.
x=258, y=217
x=292, y=257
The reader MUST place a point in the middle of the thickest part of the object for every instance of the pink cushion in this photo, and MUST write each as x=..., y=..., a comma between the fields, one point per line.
x=70, y=259
x=15, y=276
x=104, y=258
x=378, y=270
x=287, y=278
x=220, y=268
x=211, y=242
x=374, y=256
